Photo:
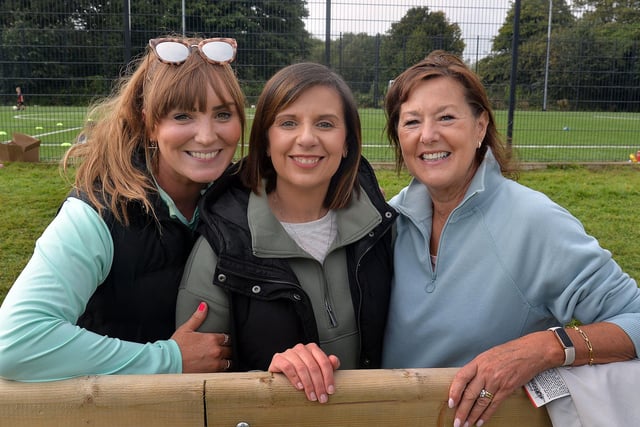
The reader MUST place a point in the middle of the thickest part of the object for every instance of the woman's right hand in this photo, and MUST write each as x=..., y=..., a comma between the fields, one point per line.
x=308, y=368
x=202, y=352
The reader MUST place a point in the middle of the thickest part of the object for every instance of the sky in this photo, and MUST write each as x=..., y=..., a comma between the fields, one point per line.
x=479, y=20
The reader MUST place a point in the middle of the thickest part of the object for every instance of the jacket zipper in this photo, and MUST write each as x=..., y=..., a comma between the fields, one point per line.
x=357, y=278
x=332, y=317
x=434, y=268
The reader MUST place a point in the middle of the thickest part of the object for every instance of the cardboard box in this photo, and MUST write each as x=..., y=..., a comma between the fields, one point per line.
x=23, y=148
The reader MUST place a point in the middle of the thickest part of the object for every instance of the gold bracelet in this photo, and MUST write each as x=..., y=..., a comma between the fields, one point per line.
x=587, y=342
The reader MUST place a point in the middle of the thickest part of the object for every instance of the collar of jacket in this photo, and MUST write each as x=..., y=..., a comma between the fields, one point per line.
x=414, y=200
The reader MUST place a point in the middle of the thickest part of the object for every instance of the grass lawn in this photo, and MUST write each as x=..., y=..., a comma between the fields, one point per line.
x=551, y=136
x=605, y=199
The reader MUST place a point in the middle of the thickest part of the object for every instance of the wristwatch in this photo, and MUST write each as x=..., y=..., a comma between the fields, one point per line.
x=567, y=344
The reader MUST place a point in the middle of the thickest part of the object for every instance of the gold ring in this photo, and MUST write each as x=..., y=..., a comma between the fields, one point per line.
x=485, y=393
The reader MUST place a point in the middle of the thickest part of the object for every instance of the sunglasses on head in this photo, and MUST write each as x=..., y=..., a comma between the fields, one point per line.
x=175, y=51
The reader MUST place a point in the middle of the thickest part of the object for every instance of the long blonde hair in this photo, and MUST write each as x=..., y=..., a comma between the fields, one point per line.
x=116, y=161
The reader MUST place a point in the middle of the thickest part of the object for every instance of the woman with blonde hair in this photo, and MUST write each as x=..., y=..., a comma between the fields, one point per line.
x=98, y=295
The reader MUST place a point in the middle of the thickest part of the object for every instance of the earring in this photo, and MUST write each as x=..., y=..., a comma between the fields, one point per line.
x=479, y=143
x=345, y=153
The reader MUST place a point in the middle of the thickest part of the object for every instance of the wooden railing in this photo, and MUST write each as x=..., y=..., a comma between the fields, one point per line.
x=411, y=397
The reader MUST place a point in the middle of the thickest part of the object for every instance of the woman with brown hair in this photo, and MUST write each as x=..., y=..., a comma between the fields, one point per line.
x=489, y=274
x=295, y=258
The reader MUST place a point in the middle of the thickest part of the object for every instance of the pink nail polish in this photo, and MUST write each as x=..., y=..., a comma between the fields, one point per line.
x=202, y=306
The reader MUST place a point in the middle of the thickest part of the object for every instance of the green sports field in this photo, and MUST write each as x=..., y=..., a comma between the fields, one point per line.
x=550, y=136
x=54, y=126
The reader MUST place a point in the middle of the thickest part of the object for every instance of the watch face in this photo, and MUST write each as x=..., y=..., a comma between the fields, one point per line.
x=563, y=337
x=565, y=341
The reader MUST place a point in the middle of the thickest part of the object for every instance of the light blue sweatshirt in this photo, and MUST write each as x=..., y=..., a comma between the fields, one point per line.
x=39, y=340
x=510, y=262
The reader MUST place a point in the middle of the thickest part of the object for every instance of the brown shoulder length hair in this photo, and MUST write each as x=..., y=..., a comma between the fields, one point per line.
x=284, y=88
x=443, y=64
x=116, y=161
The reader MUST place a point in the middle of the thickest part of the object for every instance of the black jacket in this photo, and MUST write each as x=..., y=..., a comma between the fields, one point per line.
x=137, y=300
x=270, y=312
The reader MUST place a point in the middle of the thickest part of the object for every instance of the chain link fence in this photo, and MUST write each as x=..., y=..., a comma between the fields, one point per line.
x=575, y=97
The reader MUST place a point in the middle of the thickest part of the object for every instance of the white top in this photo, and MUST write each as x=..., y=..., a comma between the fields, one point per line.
x=314, y=237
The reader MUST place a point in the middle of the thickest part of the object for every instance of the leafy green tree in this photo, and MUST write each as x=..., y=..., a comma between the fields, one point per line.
x=47, y=46
x=270, y=34
x=355, y=57
x=78, y=46
x=594, y=58
x=534, y=20
x=418, y=32
x=610, y=11
x=369, y=62
x=600, y=65
x=495, y=69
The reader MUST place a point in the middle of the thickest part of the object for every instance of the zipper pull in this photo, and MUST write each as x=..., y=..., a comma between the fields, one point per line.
x=332, y=317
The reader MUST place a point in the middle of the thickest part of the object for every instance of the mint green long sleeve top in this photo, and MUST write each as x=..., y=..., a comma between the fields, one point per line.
x=39, y=340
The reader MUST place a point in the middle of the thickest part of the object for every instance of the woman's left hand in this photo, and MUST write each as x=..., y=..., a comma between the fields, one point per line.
x=308, y=368
x=481, y=385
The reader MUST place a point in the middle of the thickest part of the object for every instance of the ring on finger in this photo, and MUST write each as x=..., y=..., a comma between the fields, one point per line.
x=226, y=339
x=485, y=393
x=228, y=365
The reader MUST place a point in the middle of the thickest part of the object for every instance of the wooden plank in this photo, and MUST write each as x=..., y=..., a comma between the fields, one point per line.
x=104, y=401
x=415, y=397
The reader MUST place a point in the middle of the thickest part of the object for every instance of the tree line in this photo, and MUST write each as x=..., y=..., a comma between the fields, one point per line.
x=593, y=61
x=69, y=52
